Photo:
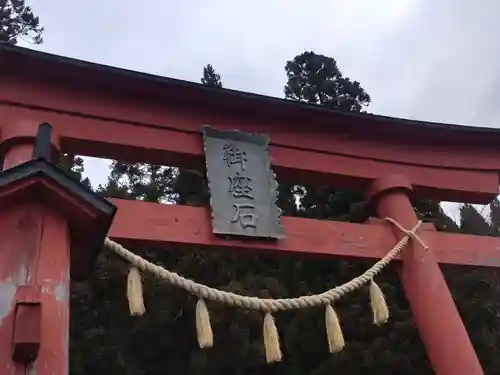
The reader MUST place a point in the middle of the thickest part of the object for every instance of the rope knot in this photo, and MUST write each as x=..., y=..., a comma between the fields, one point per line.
x=412, y=233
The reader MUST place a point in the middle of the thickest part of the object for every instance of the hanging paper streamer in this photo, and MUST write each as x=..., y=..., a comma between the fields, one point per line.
x=134, y=292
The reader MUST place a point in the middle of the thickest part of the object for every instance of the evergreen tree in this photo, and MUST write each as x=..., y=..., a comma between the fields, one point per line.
x=151, y=183
x=316, y=79
x=471, y=221
x=495, y=216
x=431, y=211
x=17, y=21
x=155, y=183
x=476, y=291
x=211, y=77
x=75, y=167
x=191, y=186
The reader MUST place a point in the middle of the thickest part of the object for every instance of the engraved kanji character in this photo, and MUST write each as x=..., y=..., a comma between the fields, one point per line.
x=233, y=155
x=240, y=186
x=245, y=218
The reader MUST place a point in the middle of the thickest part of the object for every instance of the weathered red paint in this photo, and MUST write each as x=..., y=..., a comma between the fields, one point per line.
x=107, y=113
x=27, y=335
x=436, y=316
x=53, y=277
x=169, y=134
x=39, y=212
x=35, y=255
x=163, y=225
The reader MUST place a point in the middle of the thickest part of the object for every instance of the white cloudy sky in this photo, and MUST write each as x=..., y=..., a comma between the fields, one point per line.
x=427, y=60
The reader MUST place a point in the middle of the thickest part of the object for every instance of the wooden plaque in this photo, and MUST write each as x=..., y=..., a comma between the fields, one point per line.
x=243, y=187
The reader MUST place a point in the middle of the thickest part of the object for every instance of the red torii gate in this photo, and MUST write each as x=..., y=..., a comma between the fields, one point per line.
x=113, y=113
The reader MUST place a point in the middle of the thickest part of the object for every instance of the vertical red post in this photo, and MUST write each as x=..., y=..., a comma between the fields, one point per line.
x=436, y=316
x=44, y=215
x=34, y=278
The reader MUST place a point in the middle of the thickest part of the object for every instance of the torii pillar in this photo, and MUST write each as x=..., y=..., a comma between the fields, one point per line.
x=436, y=316
x=45, y=216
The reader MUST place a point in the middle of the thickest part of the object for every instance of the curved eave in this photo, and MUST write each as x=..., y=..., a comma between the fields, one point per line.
x=59, y=68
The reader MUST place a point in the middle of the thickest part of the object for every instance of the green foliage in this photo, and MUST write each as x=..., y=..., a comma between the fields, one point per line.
x=191, y=186
x=211, y=77
x=154, y=183
x=495, y=216
x=73, y=165
x=17, y=21
x=476, y=290
x=151, y=183
x=106, y=340
x=471, y=221
x=316, y=79
x=431, y=211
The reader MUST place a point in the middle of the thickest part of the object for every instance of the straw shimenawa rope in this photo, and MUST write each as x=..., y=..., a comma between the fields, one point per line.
x=268, y=306
x=265, y=305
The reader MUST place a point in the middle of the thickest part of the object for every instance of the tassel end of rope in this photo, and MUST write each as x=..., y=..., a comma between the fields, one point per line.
x=379, y=305
x=134, y=293
x=271, y=340
x=203, y=326
x=333, y=330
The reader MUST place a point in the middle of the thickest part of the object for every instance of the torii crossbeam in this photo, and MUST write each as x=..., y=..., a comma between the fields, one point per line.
x=112, y=113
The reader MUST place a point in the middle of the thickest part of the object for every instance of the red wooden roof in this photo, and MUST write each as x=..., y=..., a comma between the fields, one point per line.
x=119, y=114
x=98, y=76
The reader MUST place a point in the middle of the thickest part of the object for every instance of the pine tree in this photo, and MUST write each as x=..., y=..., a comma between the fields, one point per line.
x=471, y=221
x=495, y=217
x=151, y=183
x=211, y=77
x=17, y=21
x=316, y=79
x=191, y=186
x=476, y=291
x=75, y=167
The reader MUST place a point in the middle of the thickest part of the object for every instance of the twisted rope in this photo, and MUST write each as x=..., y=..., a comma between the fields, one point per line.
x=267, y=305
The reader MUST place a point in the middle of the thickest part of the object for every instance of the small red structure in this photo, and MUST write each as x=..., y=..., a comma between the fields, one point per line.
x=48, y=219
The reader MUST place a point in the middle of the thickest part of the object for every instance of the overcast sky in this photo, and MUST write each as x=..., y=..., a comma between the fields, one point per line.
x=420, y=59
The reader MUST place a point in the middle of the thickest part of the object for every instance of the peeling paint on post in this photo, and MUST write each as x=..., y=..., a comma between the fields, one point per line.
x=18, y=254
x=61, y=291
x=35, y=257
x=53, y=277
x=31, y=370
x=35, y=251
x=7, y=293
